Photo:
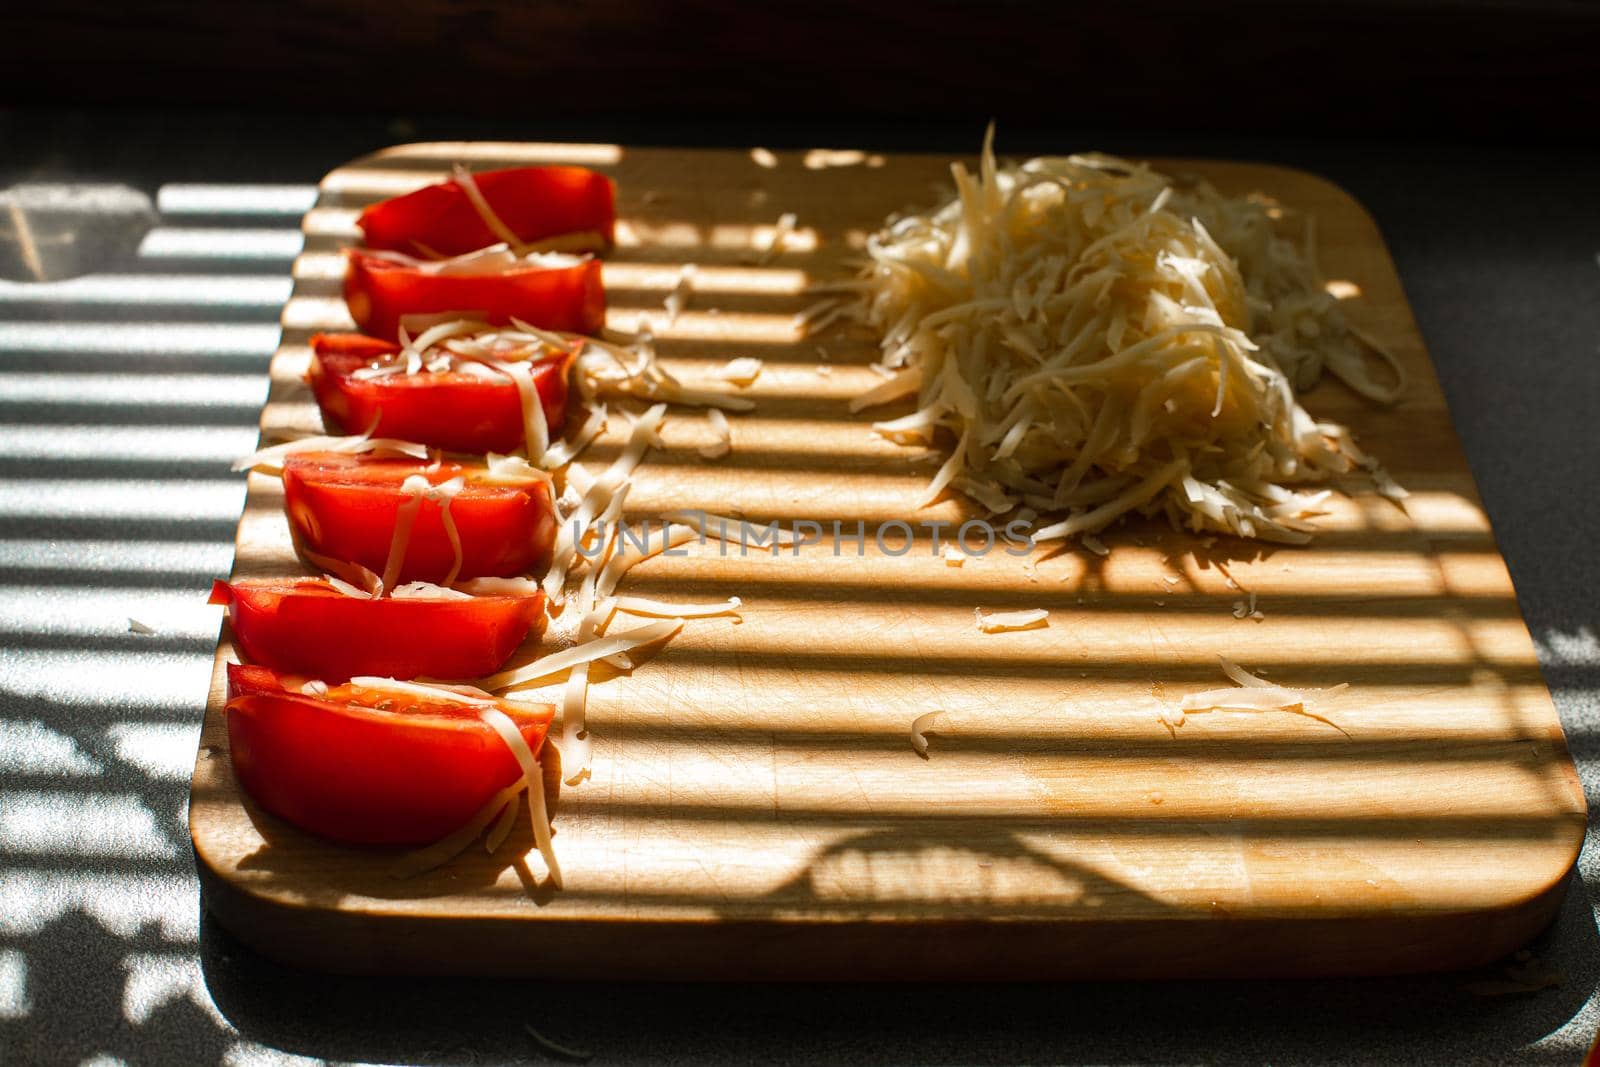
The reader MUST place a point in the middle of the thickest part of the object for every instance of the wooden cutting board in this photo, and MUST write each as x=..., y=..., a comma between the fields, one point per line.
x=756, y=808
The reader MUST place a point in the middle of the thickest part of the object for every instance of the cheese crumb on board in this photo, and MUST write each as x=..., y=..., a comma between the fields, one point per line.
x=998, y=622
x=919, y=727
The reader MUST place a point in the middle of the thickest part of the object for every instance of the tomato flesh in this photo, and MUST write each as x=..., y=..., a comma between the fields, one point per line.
x=380, y=292
x=368, y=767
x=536, y=203
x=449, y=410
x=345, y=506
x=306, y=626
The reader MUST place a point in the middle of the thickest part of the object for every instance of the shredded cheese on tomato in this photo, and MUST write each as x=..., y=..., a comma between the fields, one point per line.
x=499, y=587
x=347, y=588
x=428, y=591
x=480, y=204
x=415, y=487
x=270, y=459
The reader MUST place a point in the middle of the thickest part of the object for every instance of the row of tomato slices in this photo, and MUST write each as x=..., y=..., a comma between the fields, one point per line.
x=324, y=731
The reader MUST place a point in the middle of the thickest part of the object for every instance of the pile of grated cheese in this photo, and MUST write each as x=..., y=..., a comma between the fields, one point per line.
x=1099, y=339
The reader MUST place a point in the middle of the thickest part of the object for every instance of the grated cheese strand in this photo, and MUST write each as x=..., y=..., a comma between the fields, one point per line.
x=480, y=204
x=347, y=588
x=443, y=494
x=501, y=723
x=919, y=727
x=416, y=486
x=598, y=496
x=600, y=648
x=999, y=622
x=449, y=847
x=502, y=827
x=722, y=442
x=535, y=430
x=270, y=458
x=638, y=605
x=576, y=744
x=565, y=451
x=742, y=371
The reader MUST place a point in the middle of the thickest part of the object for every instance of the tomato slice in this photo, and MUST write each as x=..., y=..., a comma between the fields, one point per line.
x=379, y=291
x=536, y=203
x=369, y=766
x=346, y=506
x=306, y=626
x=452, y=410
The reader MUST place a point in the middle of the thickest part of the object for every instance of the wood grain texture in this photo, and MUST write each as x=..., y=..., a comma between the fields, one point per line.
x=756, y=809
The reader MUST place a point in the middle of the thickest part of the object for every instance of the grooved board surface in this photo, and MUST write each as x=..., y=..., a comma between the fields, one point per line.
x=756, y=808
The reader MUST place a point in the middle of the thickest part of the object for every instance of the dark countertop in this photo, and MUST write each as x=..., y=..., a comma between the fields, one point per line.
x=123, y=396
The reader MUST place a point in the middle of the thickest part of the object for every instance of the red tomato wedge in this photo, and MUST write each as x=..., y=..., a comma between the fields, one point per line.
x=452, y=410
x=536, y=203
x=379, y=291
x=306, y=626
x=346, y=506
x=370, y=766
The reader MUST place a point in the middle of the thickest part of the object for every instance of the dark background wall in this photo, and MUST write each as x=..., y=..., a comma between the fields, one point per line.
x=1500, y=69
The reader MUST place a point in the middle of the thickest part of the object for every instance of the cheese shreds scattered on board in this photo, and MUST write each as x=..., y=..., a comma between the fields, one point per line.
x=952, y=556
x=823, y=158
x=999, y=622
x=763, y=157
x=576, y=743
x=600, y=648
x=919, y=727
x=1253, y=693
x=598, y=497
x=638, y=605
x=723, y=442
x=629, y=367
x=560, y=1051
x=823, y=314
x=565, y=451
x=678, y=298
x=1099, y=339
x=742, y=371
x=906, y=383
x=780, y=238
